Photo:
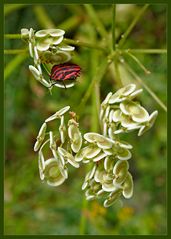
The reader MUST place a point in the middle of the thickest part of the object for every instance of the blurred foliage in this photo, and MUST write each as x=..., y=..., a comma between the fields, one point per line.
x=35, y=208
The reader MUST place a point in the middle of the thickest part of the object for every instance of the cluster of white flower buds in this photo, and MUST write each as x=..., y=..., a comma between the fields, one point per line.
x=120, y=113
x=54, y=170
x=46, y=47
x=109, y=176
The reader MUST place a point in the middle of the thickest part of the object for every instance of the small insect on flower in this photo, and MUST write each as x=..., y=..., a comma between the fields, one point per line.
x=64, y=75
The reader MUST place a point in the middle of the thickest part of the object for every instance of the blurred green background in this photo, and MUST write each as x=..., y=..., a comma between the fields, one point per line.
x=32, y=207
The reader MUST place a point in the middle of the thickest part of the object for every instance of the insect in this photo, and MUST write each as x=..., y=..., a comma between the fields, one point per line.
x=64, y=75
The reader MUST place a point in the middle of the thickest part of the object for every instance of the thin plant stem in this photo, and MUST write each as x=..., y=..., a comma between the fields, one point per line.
x=138, y=62
x=95, y=19
x=83, y=44
x=12, y=36
x=83, y=220
x=13, y=64
x=113, y=26
x=65, y=40
x=97, y=78
x=90, y=45
x=42, y=17
x=133, y=23
x=96, y=95
x=153, y=95
x=146, y=51
x=118, y=77
x=70, y=23
x=15, y=51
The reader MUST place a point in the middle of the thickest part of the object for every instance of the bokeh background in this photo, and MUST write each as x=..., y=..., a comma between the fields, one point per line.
x=32, y=207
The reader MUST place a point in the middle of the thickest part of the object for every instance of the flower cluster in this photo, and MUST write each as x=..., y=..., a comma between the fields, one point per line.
x=46, y=47
x=54, y=170
x=109, y=176
x=120, y=113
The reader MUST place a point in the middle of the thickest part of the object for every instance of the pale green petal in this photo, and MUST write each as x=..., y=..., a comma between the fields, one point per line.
x=113, y=197
x=137, y=112
x=55, y=32
x=98, y=176
x=135, y=94
x=57, y=40
x=92, y=151
x=117, y=115
x=66, y=48
x=105, y=143
x=108, y=151
x=41, y=33
x=123, y=154
x=43, y=44
x=64, y=86
x=109, y=163
x=69, y=157
x=34, y=71
x=106, y=100
x=119, y=166
x=31, y=51
x=102, y=141
x=42, y=131
x=58, y=114
x=52, y=173
x=31, y=34
x=99, y=157
x=128, y=186
x=24, y=32
x=90, y=194
x=77, y=142
x=108, y=187
x=111, y=115
x=124, y=144
x=81, y=154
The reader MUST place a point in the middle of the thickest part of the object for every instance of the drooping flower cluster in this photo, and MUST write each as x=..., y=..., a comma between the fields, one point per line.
x=46, y=47
x=54, y=170
x=109, y=176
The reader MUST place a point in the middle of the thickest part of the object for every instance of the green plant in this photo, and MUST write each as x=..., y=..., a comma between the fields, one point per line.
x=115, y=58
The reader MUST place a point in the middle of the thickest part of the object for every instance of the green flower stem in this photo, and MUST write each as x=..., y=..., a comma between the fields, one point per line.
x=83, y=220
x=118, y=77
x=83, y=44
x=70, y=23
x=95, y=19
x=97, y=78
x=133, y=23
x=146, y=51
x=113, y=26
x=13, y=64
x=15, y=51
x=46, y=69
x=153, y=95
x=90, y=45
x=96, y=95
x=138, y=62
x=43, y=17
x=12, y=36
